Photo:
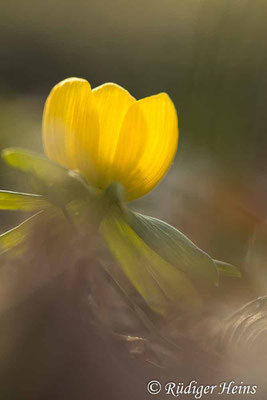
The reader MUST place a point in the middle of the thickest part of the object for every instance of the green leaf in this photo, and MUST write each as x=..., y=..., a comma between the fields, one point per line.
x=33, y=163
x=58, y=184
x=18, y=234
x=175, y=248
x=21, y=201
x=163, y=287
x=228, y=270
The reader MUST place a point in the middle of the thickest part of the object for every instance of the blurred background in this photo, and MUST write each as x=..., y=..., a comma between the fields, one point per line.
x=209, y=56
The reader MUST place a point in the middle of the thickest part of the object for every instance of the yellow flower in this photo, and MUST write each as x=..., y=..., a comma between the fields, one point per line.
x=109, y=136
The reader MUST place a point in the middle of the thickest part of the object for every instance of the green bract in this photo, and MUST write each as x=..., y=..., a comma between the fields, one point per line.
x=175, y=248
x=165, y=267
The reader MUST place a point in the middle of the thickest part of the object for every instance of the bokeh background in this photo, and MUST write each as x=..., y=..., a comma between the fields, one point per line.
x=209, y=56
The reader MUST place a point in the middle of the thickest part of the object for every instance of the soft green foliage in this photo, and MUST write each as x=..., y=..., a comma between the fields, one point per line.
x=21, y=201
x=228, y=270
x=35, y=164
x=57, y=184
x=17, y=235
x=165, y=267
x=162, y=286
x=175, y=248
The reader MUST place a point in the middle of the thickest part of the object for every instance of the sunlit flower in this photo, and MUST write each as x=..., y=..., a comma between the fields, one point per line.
x=109, y=136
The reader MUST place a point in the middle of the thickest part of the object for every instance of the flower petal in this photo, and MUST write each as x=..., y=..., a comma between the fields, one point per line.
x=71, y=126
x=112, y=102
x=109, y=136
x=160, y=146
x=130, y=147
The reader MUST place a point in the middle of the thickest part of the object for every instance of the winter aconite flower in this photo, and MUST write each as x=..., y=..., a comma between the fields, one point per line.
x=109, y=136
x=112, y=140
